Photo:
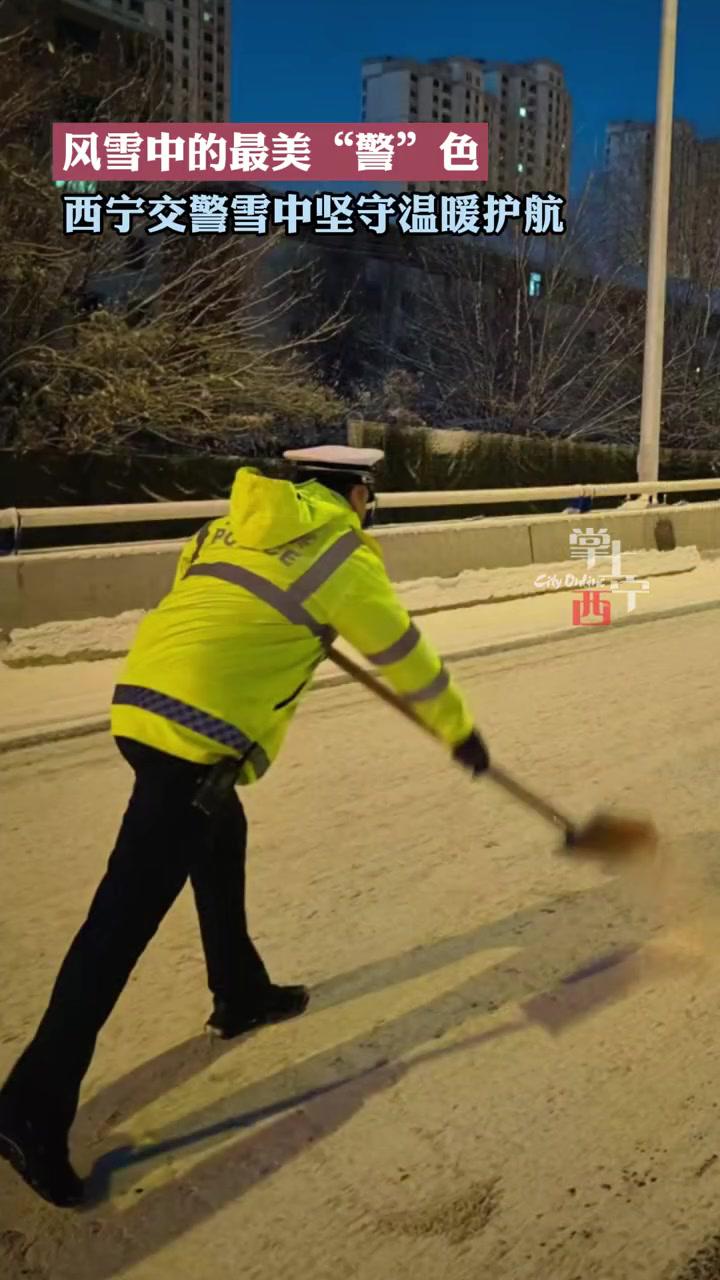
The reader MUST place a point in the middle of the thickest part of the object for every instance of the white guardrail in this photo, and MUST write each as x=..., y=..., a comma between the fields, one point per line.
x=135, y=512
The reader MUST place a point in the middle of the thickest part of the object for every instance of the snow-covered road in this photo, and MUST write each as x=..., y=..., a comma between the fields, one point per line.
x=511, y=1065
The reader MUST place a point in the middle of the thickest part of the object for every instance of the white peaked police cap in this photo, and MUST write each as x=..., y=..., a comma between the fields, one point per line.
x=337, y=458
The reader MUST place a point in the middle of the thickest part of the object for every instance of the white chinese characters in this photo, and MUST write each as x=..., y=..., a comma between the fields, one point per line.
x=176, y=153
x=423, y=213
x=200, y=153
x=460, y=153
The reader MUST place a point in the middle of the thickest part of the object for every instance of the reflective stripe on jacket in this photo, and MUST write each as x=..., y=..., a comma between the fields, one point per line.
x=218, y=668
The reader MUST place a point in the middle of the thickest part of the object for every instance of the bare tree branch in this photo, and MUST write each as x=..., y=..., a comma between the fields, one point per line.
x=215, y=338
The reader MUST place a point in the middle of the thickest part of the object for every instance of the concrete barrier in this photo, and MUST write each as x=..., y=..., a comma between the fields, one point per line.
x=444, y=549
x=88, y=583
x=697, y=524
x=550, y=535
x=105, y=581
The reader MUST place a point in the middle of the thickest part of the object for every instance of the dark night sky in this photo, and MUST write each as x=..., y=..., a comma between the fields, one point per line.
x=301, y=61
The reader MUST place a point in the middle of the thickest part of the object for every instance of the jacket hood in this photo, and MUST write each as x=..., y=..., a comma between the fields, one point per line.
x=267, y=513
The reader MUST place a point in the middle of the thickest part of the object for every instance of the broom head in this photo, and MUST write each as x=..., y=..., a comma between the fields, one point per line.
x=608, y=838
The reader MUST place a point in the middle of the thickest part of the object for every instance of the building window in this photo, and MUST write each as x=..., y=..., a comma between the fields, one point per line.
x=137, y=6
x=523, y=112
x=535, y=284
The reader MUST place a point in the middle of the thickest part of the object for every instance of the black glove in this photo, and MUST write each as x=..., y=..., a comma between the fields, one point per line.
x=472, y=754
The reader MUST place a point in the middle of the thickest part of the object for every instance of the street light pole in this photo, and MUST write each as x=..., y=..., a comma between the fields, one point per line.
x=649, y=452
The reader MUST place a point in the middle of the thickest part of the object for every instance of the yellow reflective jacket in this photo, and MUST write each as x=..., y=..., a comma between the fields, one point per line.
x=218, y=668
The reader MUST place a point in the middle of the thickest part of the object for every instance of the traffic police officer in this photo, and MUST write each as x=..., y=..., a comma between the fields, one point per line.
x=210, y=686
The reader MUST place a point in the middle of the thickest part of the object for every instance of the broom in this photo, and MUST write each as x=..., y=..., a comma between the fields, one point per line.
x=603, y=836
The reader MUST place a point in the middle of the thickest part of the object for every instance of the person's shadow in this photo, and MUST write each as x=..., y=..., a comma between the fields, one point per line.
x=610, y=938
x=534, y=931
x=552, y=980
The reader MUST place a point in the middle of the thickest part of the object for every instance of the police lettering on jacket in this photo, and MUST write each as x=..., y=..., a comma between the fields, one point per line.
x=286, y=554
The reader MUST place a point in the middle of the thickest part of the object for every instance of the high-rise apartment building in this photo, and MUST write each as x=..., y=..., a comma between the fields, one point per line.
x=629, y=148
x=93, y=26
x=197, y=43
x=191, y=38
x=694, y=216
x=526, y=106
x=137, y=15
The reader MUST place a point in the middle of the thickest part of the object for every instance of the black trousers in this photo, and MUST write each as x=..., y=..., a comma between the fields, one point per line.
x=162, y=842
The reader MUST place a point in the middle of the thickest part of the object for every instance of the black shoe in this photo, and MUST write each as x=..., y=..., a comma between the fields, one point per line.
x=275, y=1005
x=43, y=1165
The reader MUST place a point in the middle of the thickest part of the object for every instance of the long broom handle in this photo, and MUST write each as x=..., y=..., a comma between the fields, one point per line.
x=497, y=774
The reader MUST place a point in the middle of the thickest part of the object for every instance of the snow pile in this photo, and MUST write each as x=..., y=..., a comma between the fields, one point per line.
x=88, y=640
x=488, y=586
x=94, y=639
